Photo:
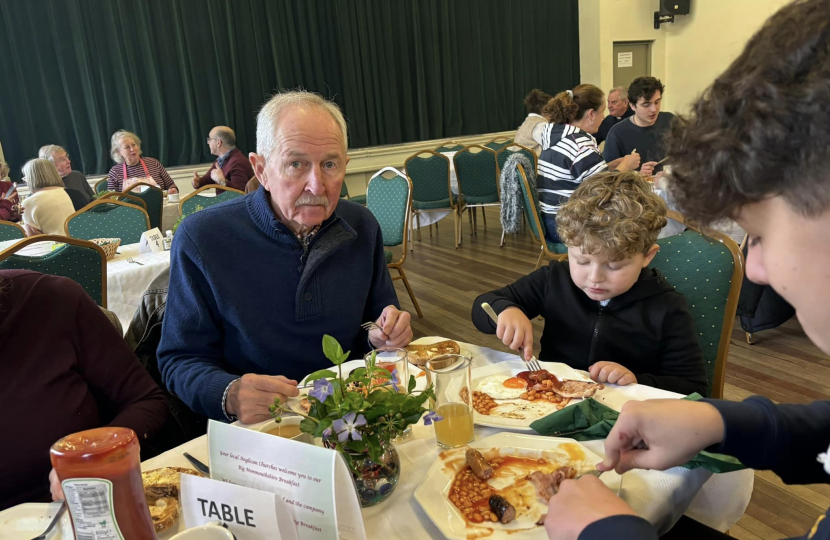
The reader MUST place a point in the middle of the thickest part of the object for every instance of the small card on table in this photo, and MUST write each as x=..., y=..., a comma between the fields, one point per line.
x=151, y=241
x=314, y=482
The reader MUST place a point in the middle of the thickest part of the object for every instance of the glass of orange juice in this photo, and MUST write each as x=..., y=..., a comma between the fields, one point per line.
x=450, y=375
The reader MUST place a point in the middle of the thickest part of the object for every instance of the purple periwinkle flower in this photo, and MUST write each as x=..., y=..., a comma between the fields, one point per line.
x=322, y=390
x=327, y=433
x=431, y=417
x=347, y=427
x=395, y=380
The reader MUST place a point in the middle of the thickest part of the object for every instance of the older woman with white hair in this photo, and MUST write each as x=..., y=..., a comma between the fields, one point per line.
x=49, y=205
x=132, y=167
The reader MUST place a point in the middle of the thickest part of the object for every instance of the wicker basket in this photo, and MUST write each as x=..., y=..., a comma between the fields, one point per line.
x=109, y=245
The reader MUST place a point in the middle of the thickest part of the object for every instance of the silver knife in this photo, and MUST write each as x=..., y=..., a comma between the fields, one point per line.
x=201, y=467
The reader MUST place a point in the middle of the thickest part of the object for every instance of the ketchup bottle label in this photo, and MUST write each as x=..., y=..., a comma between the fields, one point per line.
x=90, y=502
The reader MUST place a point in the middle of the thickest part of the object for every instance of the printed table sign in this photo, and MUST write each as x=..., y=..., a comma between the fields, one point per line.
x=151, y=241
x=250, y=514
x=314, y=482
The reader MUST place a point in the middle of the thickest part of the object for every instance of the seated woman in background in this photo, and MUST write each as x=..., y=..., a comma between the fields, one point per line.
x=49, y=205
x=131, y=166
x=529, y=134
x=82, y=377
x=9, y=199
x=569, y=150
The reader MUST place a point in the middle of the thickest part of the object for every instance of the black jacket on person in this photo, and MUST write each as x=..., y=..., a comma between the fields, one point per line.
x=785, y=439
x=648, y=329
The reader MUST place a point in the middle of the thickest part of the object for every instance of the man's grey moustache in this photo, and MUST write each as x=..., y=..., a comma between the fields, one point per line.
x=312, y=201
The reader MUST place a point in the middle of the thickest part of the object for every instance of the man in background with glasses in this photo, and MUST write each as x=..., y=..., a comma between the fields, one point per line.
x=231, y=169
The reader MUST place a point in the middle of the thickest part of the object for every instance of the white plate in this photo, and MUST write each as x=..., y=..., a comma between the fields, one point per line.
x=511, y=368
x=26, y=521
x=432, y=492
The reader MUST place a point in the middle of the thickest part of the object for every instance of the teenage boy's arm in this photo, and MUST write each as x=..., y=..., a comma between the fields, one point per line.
x=681, y=358
x=527, y=293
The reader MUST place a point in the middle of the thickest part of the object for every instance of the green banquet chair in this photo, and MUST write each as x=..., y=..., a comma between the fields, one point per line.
x=128, y=198
x=707, y=268
x=504, y=154
x=553, y=250
x=108, y=219
x=498, y=143
x=450, y=146
x=344, y=194
x=194, y=202
x=153, y=198
x=101, y=186
x=429, y=173
x=478, y=181
x=81, y=261
x=11, y=231
x=389, y=198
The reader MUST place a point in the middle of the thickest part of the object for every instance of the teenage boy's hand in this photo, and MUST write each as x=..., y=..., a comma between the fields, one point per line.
x=580, y=503
x=515, y=331
x=613, y=373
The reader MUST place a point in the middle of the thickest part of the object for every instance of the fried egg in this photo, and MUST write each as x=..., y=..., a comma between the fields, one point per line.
x=502, y=387
x=524, y=410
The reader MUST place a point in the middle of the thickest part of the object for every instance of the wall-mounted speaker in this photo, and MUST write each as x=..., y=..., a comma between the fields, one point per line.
x=676, y=7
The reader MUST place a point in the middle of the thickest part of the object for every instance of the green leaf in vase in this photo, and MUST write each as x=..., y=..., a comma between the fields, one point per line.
x=321, y=374
x=333, y=350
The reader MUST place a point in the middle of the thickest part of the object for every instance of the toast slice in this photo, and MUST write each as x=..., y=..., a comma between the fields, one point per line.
x=419, y=355
x=164, y=483
x=165, y=512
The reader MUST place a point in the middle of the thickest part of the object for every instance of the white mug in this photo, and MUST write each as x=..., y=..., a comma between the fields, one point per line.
x=173, y=197
x=205, y=532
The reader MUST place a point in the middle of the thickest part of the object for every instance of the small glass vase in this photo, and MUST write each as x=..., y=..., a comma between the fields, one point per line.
x=375, y=482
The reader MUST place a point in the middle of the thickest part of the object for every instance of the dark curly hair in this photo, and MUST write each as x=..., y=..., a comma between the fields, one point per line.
x=564, y=108
x=535, y=100
x=613, y=214
x=644, y=87
x=763, y=128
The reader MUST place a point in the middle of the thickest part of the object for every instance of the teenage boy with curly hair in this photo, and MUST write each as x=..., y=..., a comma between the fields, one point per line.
x=605, y=311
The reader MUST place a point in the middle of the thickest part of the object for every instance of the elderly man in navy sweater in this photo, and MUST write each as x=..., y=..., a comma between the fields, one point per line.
x=247, y=309
x=768, y=168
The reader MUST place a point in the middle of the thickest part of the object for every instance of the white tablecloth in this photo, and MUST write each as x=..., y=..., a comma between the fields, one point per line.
x=169, y=215
x=660, y=497
x=126, y=281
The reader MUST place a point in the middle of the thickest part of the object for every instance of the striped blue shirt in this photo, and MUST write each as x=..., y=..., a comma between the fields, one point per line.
x=569, y=156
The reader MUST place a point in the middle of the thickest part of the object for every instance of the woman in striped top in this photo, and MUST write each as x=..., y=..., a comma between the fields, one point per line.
x=126, y=152
x=569, y=150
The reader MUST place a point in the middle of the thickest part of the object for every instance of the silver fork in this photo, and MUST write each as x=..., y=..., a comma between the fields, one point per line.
x=130, y=259
x=533, y=363
x=52, y=525
x=369, y=326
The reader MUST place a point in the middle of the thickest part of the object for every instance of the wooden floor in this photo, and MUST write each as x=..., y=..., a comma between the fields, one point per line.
x=783, y=365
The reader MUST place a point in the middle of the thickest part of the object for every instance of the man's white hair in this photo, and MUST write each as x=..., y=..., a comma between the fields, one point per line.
x=48, y=151
x=621, y=89
x=268, y=118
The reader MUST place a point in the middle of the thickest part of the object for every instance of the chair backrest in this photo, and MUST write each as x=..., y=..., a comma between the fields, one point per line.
x=82, y=262
x=707, y=268
x=125, y=197
x=108, y=219
x=504, y=154
x=450, y=146
x=498, y=143
x=195, y=202
x=476, y=169
x=101, y=186
x=153, y=197
x=344, y=191
x=388, y=197
x=529, y=204
x=430, y=175
x=11, y=231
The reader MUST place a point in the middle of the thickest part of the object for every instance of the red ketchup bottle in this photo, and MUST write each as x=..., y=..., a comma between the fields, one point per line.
x=100, y=473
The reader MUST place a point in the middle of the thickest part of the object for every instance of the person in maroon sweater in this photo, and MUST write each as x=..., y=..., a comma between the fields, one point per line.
x=64, y=368
x=232, y=168
x=9, y=204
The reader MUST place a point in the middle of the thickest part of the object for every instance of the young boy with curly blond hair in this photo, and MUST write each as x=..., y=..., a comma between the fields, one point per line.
x=605, y=311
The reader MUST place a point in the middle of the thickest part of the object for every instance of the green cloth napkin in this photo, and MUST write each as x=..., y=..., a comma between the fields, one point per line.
x=589, y=420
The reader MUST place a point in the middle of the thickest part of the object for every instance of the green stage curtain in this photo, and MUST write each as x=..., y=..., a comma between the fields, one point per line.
x=75, y=71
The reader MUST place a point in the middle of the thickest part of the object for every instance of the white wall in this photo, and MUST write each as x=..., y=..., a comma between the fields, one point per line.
x=686, y=55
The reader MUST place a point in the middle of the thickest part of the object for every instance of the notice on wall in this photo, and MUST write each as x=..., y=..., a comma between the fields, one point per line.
x=625, y=59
